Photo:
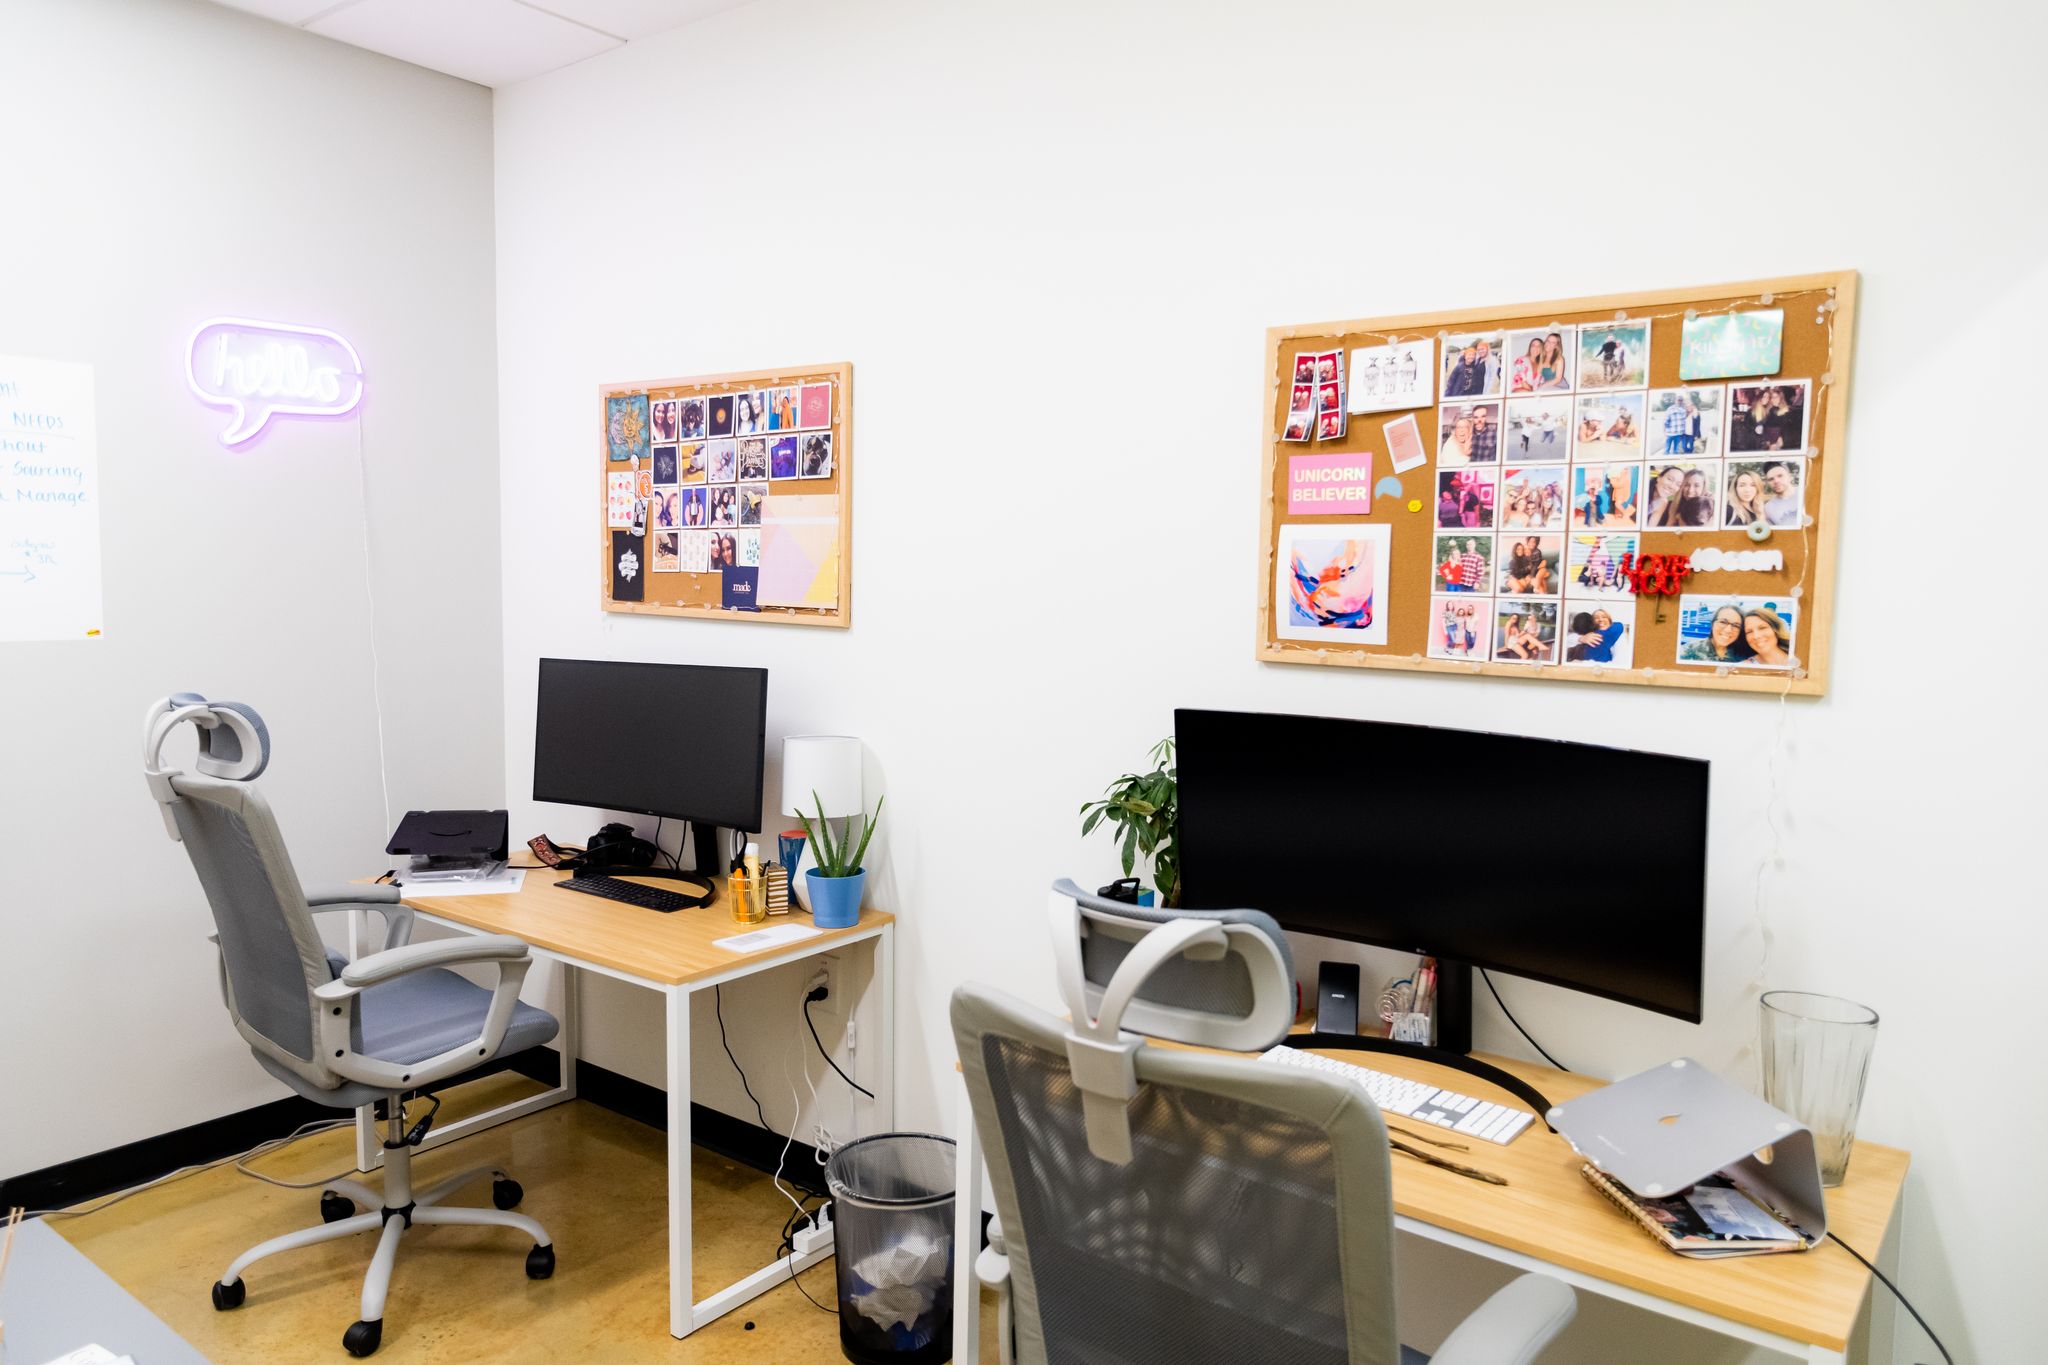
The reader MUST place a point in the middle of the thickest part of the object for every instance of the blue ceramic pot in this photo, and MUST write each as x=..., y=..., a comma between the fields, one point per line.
x=835, y=901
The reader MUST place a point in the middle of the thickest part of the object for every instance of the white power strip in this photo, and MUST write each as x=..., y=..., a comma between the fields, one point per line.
x=814, y=1235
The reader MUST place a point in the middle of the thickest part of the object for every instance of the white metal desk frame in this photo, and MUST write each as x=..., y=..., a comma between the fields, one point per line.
x=684, y=1317
x=1872, y=1341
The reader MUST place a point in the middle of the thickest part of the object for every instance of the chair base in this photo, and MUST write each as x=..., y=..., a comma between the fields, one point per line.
x=392, y=1214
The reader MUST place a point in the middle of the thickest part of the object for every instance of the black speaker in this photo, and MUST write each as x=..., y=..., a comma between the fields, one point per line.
x=1337, y=998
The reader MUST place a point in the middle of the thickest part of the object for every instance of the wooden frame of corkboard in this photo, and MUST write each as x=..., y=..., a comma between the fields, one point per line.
x=688, y=594
x=1820, y=315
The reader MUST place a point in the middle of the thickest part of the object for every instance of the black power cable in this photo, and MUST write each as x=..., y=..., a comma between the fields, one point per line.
x=1908, y=1303
x=1518, y=1023
x=819, y=994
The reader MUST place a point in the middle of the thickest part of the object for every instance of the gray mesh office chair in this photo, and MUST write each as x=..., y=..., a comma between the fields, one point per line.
x=342, y=1033
x=1159, y=1206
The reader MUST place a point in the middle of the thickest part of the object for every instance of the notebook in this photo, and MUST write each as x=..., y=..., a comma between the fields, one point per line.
x=1713, y=1218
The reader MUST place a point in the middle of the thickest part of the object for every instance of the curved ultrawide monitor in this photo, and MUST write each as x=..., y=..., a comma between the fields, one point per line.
x=1574, y=864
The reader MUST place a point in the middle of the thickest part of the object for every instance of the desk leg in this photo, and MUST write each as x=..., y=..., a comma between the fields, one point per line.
x=681, y=1317
x=966, y=1228
x=885, y=948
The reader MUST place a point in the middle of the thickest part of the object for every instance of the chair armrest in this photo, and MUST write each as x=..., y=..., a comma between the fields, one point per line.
x=1513, y=1326
x=413, y=957
x=337, y=1013
x=353, y=893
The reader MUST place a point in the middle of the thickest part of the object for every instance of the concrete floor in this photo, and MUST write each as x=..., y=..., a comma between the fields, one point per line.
x=595, y=1180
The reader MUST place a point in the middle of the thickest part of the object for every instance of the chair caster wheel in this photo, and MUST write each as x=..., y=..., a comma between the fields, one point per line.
x=507, y=1192
x=226, y=1296
x=362, y=1338
x=540, y=1263
x=335, y=1207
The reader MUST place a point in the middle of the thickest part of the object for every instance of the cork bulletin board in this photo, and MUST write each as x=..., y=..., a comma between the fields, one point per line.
x=729, y=496
x=1637, y=489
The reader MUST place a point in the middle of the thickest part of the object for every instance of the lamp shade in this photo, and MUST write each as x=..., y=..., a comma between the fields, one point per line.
x=821, y=768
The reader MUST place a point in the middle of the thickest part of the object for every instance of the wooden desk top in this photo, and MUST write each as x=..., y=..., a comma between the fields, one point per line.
x=1548, y=1211
x=665, y=949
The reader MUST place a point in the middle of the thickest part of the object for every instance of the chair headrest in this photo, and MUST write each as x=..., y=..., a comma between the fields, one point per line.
x=234, y=743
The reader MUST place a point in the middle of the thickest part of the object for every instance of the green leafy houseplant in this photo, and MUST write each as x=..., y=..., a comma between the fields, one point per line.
x=830, y=855
x=1145, y=808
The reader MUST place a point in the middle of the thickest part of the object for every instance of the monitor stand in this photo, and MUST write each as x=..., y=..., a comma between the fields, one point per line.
x=1453, y=1037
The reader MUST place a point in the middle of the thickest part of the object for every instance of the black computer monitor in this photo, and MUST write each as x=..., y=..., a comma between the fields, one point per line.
x=682, y=741
x=1574, y=864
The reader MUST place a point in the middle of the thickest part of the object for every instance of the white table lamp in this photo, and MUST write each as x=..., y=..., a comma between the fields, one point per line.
x=823, y=768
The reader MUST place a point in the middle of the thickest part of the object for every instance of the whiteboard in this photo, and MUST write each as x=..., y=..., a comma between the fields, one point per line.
x=49, y=501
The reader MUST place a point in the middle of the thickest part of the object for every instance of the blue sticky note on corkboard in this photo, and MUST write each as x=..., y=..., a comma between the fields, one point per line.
x=1731, y=345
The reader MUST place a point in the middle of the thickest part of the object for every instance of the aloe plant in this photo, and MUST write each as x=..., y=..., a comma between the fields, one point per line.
x=830, y=854
x=1146, y=809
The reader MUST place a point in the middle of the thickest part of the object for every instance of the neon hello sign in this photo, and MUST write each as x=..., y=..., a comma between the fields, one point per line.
x=261, y=370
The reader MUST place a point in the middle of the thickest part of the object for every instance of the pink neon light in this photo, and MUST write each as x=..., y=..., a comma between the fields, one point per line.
x=260, y=370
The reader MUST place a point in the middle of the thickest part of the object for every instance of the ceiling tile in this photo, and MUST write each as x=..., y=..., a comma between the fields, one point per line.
x=283, y=11
x=491, y=42
x=634, y=18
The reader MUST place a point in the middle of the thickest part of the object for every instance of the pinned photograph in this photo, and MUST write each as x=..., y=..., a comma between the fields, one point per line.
x=665, y=560
x=689, y=419
x=1460, y=628
x=665, y=465
x=1404, y=444
x=1330, y=425
x=1737, y=632
x=752, y=498
x=1525, y=633
x=625, y=426
x=1472, y=365
x=1468, y=433
x=1305, y=368
x=690, y=462
x=814, y=406
x=1593, y=565
x=1606, y=496
x=1464, y=563
x=782, y=457
x=1330, y=581
x=1540, y=360
x=1601, y=634
x=693, y=551
x=725, y=507
x=1769, y=418
x=619, y=494
x=693, y=513
x=1683, y=497
x=1609, y=427
x=721, y=461
x=750, y=413
x=1615, y=355
x=1539, y=428
x=665, y=509
x=1329, y=406
x=1531, y=566
x=753, y=457
x=1728, y=345
x=1532, y=497
x=1686, y=421
x=1326, y=367
x=747, y=548
x=718, y=415
x=661, y=416
x=1464, y=499
x=814, y=455
x=1301, y=414
x=1387, y=378
x=724, y=551
x=1772, y=492
x=782, y=409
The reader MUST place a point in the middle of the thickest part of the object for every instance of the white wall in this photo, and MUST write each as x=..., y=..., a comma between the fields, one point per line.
x=169, y=161
x=1050, y=236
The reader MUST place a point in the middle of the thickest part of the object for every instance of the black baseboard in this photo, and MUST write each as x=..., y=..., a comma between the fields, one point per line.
x=119, y=1168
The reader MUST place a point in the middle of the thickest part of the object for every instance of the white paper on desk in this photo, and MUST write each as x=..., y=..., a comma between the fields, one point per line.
x=505, y=883
x=760, y=940
x=94, y=1354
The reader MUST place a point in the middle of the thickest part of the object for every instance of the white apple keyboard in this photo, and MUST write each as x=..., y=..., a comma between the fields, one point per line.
x=1418, y=1101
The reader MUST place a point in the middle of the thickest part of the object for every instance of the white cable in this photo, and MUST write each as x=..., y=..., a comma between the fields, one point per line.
x=238, y=1158
x=795, y=1117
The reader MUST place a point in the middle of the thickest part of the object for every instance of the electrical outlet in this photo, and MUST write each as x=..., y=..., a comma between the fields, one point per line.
x=831, y=969
x=819, y=1139
x=814, y=1235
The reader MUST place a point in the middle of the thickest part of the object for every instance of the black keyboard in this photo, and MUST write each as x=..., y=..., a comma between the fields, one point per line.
x=631, y=893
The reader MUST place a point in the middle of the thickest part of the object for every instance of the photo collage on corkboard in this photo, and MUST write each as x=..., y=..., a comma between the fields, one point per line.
x=1635, y=489
x=730, y=495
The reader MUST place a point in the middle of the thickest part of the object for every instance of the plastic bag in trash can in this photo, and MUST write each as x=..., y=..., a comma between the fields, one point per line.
x=906, y=1277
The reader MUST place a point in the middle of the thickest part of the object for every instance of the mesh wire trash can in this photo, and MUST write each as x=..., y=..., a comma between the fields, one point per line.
x=893, y=1243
